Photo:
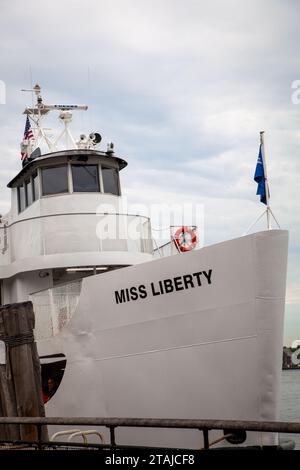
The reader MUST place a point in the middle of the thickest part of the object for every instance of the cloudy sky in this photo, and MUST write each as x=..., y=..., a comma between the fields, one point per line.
x=182, y=87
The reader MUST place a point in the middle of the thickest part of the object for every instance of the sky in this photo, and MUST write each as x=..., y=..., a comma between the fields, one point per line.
x=183, y=88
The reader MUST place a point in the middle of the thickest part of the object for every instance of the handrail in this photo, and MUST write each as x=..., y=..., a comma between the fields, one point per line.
x=64, y=433
x=208, y=424
x=63, y=214
x=202, y=425
x=85, y=433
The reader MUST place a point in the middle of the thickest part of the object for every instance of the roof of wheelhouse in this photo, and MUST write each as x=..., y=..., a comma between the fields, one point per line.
x=79, y=155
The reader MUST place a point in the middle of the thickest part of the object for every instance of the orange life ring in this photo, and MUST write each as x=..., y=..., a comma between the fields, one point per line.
x=185, y=239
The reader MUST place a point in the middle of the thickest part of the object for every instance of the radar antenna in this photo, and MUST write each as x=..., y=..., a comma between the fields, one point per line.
x=37, y=112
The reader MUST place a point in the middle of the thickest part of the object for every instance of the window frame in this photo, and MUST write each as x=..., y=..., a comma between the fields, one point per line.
x=47, y=167
x=107, y=167
x=19, y=187
x=28, y=182
x=28, y=187
x=34, y=175
x=85, y=165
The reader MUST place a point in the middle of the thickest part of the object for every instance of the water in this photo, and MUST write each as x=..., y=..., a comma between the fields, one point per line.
x=290, y=401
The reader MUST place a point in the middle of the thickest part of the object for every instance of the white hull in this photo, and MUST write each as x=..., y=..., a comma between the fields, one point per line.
x=205, y=351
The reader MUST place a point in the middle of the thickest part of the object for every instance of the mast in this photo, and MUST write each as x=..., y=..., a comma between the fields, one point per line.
x=37, y=112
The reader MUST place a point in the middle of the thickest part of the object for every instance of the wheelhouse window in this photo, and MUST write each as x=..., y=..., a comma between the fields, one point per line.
x=110, y=180
x=28, y=192
x=21, y=198
x=85, y=178
x=55, y=180
x=35, y=186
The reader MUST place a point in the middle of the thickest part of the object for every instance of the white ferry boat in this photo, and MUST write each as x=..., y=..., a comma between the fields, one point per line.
x=123, y=333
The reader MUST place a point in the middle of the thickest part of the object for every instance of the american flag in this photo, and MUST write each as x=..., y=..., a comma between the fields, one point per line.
x=28, y=135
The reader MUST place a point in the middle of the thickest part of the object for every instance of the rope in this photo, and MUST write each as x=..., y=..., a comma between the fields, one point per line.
x=18, y=340
x=15, y=447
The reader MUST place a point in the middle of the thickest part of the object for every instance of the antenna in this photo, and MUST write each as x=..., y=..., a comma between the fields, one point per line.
x=30, y=77
x=40, y=109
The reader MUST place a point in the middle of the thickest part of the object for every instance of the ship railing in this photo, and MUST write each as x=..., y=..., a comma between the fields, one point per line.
x=74, y=232
x=234, y=432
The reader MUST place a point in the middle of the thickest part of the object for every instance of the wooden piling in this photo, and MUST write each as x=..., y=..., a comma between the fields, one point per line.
x=20, y=377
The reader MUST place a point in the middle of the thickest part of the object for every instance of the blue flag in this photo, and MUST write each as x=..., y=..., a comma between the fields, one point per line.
x=259, y=177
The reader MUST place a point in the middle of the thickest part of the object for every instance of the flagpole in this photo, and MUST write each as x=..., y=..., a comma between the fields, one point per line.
x=259, y=173
x=262, y=142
